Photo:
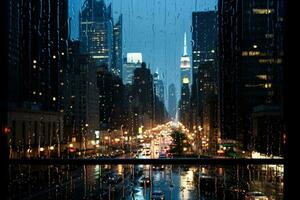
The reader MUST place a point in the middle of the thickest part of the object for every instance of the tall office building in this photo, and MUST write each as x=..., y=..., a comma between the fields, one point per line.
x=37, y=58
x=117, y=57
x=204, y=37
x=83, y=111
x=159, y=87
x=38, y=53
x=251, y=53
x=143, y=95
x=96, y=31
x=133, y=61
x=204, y=97
x=172, y=101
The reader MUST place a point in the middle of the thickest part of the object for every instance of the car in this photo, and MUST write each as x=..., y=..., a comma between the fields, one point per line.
x=157, y=195
x=145, y=180
x=158, y=167
x=256, y=195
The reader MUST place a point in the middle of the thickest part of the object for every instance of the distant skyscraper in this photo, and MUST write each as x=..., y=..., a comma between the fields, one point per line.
x=172, y=101
x=96, y=31
x=117, y=59
x=184, y=103
x=159, y=87
x=185, y=81
x=185, y=65
x=133, y=61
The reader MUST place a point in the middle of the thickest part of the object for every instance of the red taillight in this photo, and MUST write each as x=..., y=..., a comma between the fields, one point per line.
x=6, y=130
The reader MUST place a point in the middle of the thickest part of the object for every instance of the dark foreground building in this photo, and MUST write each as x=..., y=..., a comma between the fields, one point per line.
x=251, y=54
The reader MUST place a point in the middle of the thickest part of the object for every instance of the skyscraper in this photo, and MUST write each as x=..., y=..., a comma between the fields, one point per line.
x=204, y=37
x=133, y=61
x=159, y=87
x=204, y=98
x=37, y=59
x=117, y=57
x=172, y=102
x=185, y=81
x=185, y=65
x=83, y=112
x=96, y=31
x=184, y=103
x=251, y=69
x=41, y=52
x=143, y=95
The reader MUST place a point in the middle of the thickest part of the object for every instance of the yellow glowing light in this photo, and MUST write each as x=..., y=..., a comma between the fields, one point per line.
x=52, y=148
x=42, y=149
x=71, y=145
x=185, y=80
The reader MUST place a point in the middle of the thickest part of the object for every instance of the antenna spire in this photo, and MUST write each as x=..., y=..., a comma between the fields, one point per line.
x=184, y=45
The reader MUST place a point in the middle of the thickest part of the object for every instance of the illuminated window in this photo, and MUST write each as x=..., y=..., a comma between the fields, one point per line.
x=261, y=11
x=268, y=85
x=270, y=61
x=269, y=35
x=263, y=77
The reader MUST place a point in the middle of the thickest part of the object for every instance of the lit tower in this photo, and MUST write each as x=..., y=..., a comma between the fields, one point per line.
x=185, y=65
x=185, y=79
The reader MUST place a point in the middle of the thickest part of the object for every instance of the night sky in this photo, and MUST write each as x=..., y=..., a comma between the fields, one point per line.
x=155, y=28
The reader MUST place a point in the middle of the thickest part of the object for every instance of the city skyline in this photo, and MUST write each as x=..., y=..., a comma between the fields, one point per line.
x=153, y=99
x=153, y=29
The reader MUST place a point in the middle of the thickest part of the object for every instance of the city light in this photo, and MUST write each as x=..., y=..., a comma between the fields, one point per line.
x=51, y=148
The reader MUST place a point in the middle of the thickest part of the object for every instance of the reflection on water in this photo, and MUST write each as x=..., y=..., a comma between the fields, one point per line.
x=141, y=181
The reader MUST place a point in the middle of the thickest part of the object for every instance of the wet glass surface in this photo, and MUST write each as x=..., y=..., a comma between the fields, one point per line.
x=144, y=181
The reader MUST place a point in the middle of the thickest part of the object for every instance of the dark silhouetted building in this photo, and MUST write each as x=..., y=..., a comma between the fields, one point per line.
x=184, y=103
x=251, y=53
x=38, y=32
x=117, y=57
x=82, y=115
x=132, y=62
x=143, y=96
x=96, y=31
x=204, y=97
x=172, y=101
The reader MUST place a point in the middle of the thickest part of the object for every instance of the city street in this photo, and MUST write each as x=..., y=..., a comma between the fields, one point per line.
x=142, y=181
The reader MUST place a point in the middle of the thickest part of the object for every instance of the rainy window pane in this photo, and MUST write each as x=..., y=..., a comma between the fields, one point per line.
x=142, y=79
